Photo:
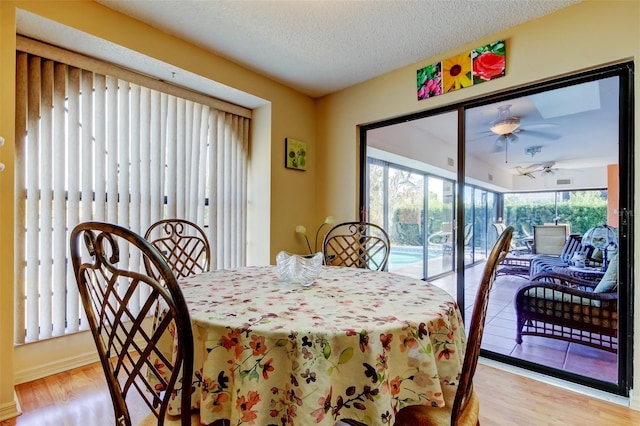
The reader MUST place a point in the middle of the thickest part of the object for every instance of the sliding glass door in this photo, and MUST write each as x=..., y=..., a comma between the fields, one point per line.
x=556, y=154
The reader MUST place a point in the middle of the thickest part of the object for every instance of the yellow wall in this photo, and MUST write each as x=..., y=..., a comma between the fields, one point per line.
x=587, y=35
x=582, y=36
x=280, y=198
x=7, y=52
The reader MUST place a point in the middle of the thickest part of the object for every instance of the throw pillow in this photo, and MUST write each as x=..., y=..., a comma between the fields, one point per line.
x=609, y=281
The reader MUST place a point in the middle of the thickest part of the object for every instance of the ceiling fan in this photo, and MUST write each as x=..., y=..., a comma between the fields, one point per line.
x=542, y=168
x=507, y=128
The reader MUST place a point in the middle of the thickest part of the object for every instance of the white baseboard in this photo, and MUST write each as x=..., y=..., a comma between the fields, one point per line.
x=41, y=359
x=10, y=410
x=57, y=366
x=634, y=401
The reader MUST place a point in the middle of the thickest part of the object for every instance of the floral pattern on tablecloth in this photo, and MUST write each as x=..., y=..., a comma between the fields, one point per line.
x=357, y=344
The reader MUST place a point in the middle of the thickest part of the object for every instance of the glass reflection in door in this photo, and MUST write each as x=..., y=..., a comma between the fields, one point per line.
x=398, y=198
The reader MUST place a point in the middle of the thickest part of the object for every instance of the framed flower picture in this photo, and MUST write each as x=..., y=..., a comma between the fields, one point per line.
x=488, y=62
x=295, y=154
x=464, y=70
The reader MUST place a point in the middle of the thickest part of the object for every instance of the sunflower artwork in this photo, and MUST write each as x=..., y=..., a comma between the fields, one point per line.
x=464, y=70
x=456, y=72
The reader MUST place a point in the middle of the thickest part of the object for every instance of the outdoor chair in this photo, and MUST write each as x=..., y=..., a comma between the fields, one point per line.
x=461, y=403
x=566, y=307
x=519, y=245
x=118, y=298
x=357, y=244
x=443, y=238
x=549, y=239
x=468, y=236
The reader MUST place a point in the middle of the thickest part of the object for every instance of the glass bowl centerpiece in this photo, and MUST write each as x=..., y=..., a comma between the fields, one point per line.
x=302, y=269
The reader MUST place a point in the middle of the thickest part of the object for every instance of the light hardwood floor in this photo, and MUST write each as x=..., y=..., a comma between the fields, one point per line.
x=79, y=397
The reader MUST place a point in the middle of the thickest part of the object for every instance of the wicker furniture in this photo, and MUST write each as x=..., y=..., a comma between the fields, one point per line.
x=357, y=244
x=462, y=405
x=184, y=245
x=580, y=274
x=561, y=306
x=117, y=299
x=545, y=262
x=515, y=264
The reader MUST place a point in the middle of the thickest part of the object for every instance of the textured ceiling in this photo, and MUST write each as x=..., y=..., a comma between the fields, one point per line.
x=322, y=46
x=319, y=47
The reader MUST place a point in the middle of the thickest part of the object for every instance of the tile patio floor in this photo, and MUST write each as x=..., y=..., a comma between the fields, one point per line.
x=500, y=332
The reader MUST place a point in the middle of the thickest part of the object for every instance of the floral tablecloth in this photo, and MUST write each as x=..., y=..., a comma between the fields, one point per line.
x=357, y=344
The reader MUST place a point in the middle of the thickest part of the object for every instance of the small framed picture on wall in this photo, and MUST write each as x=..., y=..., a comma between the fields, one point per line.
x=295, y=154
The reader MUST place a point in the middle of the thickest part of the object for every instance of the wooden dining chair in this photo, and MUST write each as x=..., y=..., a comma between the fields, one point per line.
x=184, y=245
x=119, y=301
x=461, y=403
x=357, y=244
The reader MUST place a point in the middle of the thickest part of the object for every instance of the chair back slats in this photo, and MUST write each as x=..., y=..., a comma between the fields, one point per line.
x=573, y=245
x=118, y=298
x=476, y=326
x=358, y=245
x=184, y=245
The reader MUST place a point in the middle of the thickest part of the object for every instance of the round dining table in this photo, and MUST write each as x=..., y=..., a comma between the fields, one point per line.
x=357, y=344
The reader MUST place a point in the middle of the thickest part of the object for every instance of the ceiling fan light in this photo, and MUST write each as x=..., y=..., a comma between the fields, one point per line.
x=505, y=126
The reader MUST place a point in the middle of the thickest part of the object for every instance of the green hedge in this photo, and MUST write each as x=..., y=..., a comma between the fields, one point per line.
x=580, y=214
x=581, y=211
x=407, y=228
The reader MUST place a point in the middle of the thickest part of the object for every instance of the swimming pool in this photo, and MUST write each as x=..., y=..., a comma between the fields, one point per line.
x=400, y=256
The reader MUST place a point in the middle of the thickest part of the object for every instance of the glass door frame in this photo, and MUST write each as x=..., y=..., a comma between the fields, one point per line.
x=425, y=212
x=625, y=72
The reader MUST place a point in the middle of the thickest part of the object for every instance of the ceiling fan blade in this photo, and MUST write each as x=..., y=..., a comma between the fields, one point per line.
x=541, y=125
x=478, y=136
x=539, y=134
x=533, y=168
x=524, y=172
x=527, y=171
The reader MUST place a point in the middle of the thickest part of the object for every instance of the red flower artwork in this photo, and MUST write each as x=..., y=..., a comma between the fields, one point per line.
x=489, y=62
x=488, y=66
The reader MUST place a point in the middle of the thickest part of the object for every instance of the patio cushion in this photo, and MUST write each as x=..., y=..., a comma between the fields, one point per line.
x=609, y=281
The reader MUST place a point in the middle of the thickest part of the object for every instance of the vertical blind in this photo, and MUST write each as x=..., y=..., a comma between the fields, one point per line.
x=96, y=147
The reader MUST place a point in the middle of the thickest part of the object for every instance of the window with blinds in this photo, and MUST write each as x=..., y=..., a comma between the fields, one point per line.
x=91, y=146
